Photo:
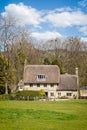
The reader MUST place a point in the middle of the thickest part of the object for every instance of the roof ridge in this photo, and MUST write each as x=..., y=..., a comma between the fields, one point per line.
x=41, y=66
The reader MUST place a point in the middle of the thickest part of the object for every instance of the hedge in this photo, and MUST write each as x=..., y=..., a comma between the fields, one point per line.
x=29, y=95
x=23, y=95
x=7, y=96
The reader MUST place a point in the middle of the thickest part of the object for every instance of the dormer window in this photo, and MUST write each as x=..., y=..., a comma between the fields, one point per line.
x=41, y=77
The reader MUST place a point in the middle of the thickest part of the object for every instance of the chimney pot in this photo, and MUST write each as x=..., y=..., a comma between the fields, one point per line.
x=76, y=71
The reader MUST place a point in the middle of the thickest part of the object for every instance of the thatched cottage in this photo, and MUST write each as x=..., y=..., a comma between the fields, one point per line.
x=49, y=79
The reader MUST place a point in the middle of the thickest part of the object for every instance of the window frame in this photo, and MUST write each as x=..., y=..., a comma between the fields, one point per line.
x=52, y=94
x=52, y=85
x=38, y=85
x=41, y=77
x=45, y=85
x=69, y=94
x=59, y=93
x=31, y=85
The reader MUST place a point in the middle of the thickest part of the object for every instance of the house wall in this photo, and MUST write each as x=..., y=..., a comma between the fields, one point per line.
x=68, y=94
x=41, y=87
x=20, y=88
x=83, y=92
x=51, y=90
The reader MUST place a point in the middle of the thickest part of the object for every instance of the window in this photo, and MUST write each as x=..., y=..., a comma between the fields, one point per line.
x=31, y=85
x=59, y=94
x=45, y=85
x=69, y=94
x=51, y=94
x=41, y=77
x=52, y=85
x=21, y=87
x=38, y=85
x=26, y=83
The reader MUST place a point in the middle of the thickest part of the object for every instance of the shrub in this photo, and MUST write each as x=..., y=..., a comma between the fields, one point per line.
x=23, y=95
x=7, y=97
x=2, y=90
x=63, y=97
x=29, y=95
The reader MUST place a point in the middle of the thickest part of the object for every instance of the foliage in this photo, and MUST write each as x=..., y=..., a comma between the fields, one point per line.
x=46, y=61
x=17, y=46
x=56, y=62
x=29, y=95
x=3, y=66
x=5, y=73
x=21, y=95
x=63, y=97
x=2, y=90
x=7, y=97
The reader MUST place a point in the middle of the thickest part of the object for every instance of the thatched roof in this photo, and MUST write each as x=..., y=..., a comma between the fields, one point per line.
x=52, y=73
x=68, y=82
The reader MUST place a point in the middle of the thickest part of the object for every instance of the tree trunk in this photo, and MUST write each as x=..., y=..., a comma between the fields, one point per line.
x=6, y=87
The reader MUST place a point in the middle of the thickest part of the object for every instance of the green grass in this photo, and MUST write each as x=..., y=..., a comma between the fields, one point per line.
x=60, y=115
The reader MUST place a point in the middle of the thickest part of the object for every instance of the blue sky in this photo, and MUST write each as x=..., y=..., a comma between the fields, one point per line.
x=49, y=19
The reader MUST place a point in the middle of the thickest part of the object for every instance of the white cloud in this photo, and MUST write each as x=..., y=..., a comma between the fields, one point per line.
x=83, y=3
x=59, y=10
x=59, y=17
x=46, y=35
x=67, y=19
x=84, y=39
x=83, y=30
x=25, y=15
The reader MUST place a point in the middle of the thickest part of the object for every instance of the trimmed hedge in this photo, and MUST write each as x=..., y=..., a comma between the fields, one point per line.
x=7, y=96
x=23, y=95
x=29, y=95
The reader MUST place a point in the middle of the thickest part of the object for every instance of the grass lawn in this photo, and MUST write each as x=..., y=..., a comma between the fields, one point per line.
x=30, y=115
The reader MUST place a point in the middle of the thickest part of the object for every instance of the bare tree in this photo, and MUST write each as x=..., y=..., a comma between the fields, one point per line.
x=6, y=38
x=73, y=47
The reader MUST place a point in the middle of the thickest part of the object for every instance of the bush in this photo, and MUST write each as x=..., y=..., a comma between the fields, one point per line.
x=7, y=97
x=63, y=97
x=23, y=95
x=29, y=95
x=2, y=90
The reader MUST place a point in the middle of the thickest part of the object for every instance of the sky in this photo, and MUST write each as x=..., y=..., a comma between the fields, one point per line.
x=49, y=19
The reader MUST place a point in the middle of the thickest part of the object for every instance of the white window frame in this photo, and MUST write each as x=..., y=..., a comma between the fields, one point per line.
x=59, y=93
x=41, y=77
x=69, y=94
x=52, y=94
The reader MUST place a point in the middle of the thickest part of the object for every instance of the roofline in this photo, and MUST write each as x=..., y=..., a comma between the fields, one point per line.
x=41, y=83
x=67, y=90
x=41, y=66
x=66, y=74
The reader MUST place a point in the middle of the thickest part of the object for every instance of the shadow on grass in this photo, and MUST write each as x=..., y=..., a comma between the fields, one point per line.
x=35, y=114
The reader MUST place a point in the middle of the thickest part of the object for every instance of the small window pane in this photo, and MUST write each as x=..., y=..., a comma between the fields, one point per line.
x=41, y=77
x=31, y=85
x=69, y=94
x=52, y=85
x=59, y=94
x=51, y=94
x=45, y=85
x=38, y=85
x=21, y=87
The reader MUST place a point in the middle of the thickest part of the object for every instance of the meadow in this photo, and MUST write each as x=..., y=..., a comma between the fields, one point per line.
x=41, y=115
